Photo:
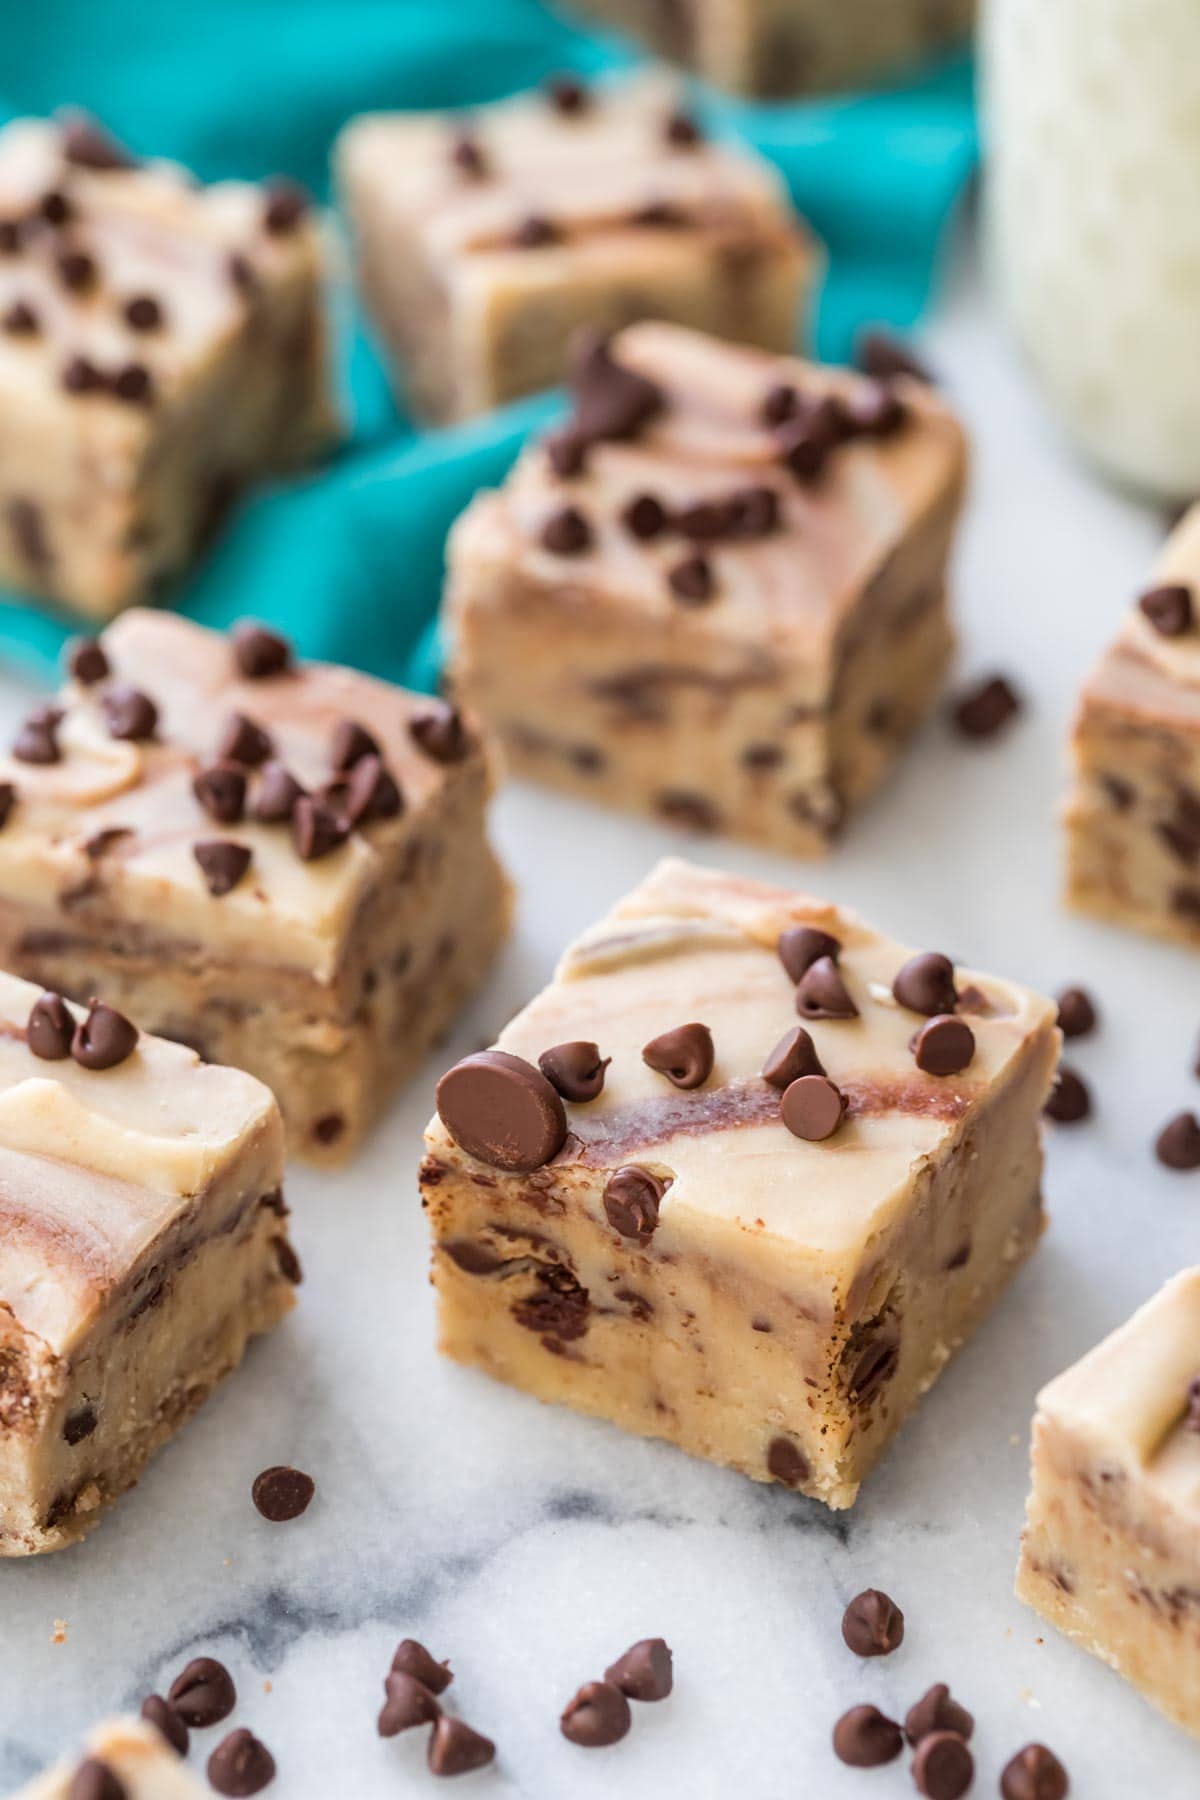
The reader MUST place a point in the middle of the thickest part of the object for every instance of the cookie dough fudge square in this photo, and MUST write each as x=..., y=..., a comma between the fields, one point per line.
x=133, y=1754
x=283, y=865
x=720, y=1185
x=1111, y=1552
x=483, y=241
x=142, y=1244
x=161, y=346
x=718, y=594
x=1133, y=816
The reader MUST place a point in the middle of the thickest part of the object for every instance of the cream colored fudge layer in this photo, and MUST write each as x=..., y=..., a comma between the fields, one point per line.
x=773, y=709
x=628, y=225
x=329, y=978
x=142, y=1243
x=135, y=1753
x=1111, y=1552
x=796, y=1298
x=1133, y=815
x=782, y=47
x=104, y=498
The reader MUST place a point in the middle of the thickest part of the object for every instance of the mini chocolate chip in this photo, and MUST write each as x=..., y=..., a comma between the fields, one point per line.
x=454, y=1749
x=412, y=1658
x=794, y=1056
x=222, y=864
x=281, y=1493
x=644, y=1672
x=632, y=1197
x=986, y=708
x=567, y=532
x=937, y=1710
x=278, y=792
x=167, y=1722
x=875, y=411
x=880, y=354
x=575, y=1069
x=598, y=1715
x=812, y=1108
x=644, y=517
x=501, y=1110
x=786, y=1462
x=691, y=580
x=704, y=521
x=87, y=145
x=285, y=203
x=203, y=1694
x=1034, y=1773
x=37, y=740
x=242, y=741
x=661, y=214
x=241, y=272
x=316, y=831
x=440, y=733
x=104, y=1038
x=468, y=155
x=79, y=1425
x=1076, y=1013
x=821, y=993
x=20, y=320
x=568, y=95
x=803, y=450
x=800, y=946
x=11, y=233
x=81, y=376
x=258, y=652
x=682, y=131
x=684, y=1055
x=371, y=793
x=1177, y=1145
x=133, y=383
x=8, y=799
x=535, y=232
x=240, y=1765
x=872, y=1624
x=926, y=984
x=129, y=714
x=753, y=512
x=566, y=452
x=221, y=791
x=866, y=1739
x=50, y=1029
x=1193, y=1404
x=408, y=1703
x=944, y=1045
x=1069, y=1099
x=142, y=312
x=86, y=661
x=943, y=1767
x=1170, y=609
x=94, y=1780
x=780, y=404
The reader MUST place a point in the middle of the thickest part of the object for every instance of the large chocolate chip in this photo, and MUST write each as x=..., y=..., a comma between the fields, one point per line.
x=575, y=1069
x=50, y=1028
x=240, y=1765
x=86, y=144
x=455, y=1749
x=1076, y=1013
x=786, y=1462
x=278, y=792
x=611, y=401
x=821, y=993
x=684, y=1056
x=282, y=1493
x=866, y=1739
x=129, y=714
x=986, y=708
x=258, y=652
x=408, y=1703
x=412, y=1658
x=94, y=1780
x=800, y=946
x=944, y=1046
x=1034, y=1773
x=872, y=1624
x=1170, y=609
x=1177, y=1145
x=371, y=793
x=351, y=742
x=203, y=1694
x=812, y=1108
x=644, y=1672
x=86, y=661
x=37, y=740
x=104, y=1039
x=598, y=1715
x=440, y=733
x=316, y=831
x=794, y=1055
x=926, y=984
x=167, y=1722
x=242, y=741
x=567, y=532
x=501, y=1110
x=1069, y=1101
x=632, y=1197
x=937, y=1710
x=222, y=864
x=79, y=1425
x=221, y=791
x=943, y=1767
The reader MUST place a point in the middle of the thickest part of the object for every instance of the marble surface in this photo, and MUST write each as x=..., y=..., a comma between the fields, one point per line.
x=530, y=1546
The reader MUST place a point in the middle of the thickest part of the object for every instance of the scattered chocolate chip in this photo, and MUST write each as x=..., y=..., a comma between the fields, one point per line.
x=454, y=1749
x=142, y=312
x=37, y=740
x=316, y=831
x=632, y=1196
x=204, y=1693
x=281, y=1493
x=753, y=512
x=781, y=403
x=575, y=1069
x=644, y=1672
x=535, y=232
x=468, y=156
x=133, y=383
x=8, y=799
x=20, y=320
x=598, y=1715
x=1177, y=1145
x=241, y=1764
x=567, y=532
x=866, y=1739
x=76, y=270
x=408, y=1703
x=371, y=793
x=937, y=1710
x=611, y=401
x=682, y=131
x=242, y=741
x=278, y=792
x=943, y=1767
x=983, y=710
x=800, y=946
x=167, y=1722
x=79, y=1425
x=259, y=653
x=703, y=521
x=944, y=1046
x=55, y=208
x=821, y=993
x=221, y=791
x=285, y=203
x=691, y=580
x=926, y=984
x=222, y=864
x=1170, y=609
x=1069, y=1099
x=501, y=1110
x=568, y=95
x=94, y=1780
x=351, y=742
x=50, y=1029
x=81, y=376
x=884, y=356
x=129, y=714
x=440, y=733
x=812, y=1108
x=645, y=517
x=803, y=450
x=1076, y=1013
x=872, y=1624
x=104, y=1038
x=786, y=1462
x=684, y=1055
x=87, y=145
x=793, y=1057
x=1034, y=1773
x=86, y=661
x=412, y=1658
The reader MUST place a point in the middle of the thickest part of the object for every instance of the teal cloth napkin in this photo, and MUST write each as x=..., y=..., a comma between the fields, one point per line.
x=348, y=559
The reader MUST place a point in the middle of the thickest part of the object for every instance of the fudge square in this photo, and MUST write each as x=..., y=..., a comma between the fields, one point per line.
x=142, y=1244
x=133, y=1754
x=1133, y=816
x=283, y=865
x=484, y=241
x=161, y=346
x=718, y=594
x=777, y=1197
x=1111, y=1552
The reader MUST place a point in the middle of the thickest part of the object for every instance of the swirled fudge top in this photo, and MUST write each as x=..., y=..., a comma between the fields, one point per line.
x=1153, y=668
x=724, y=492
x=1136, y=1397
x=108, y=1139
x=781, y=1067
x=120, y=279
x=204, y=788
x=136, y=1754
x=570, y=171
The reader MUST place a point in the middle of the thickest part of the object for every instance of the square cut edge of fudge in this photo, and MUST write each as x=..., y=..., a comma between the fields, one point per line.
x=717, y=594
x=1132, y=818
x=685, y=1262
x=1111, y=1549
x=135, y=1753
x=163, y=345
x=484, y=240
x=283, y=864
x=143, y=1243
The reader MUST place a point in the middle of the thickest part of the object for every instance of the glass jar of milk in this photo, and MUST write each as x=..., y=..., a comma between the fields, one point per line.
x=1092, y=122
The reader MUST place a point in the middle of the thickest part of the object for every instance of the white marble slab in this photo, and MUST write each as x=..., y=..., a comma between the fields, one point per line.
x=531, y=1546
